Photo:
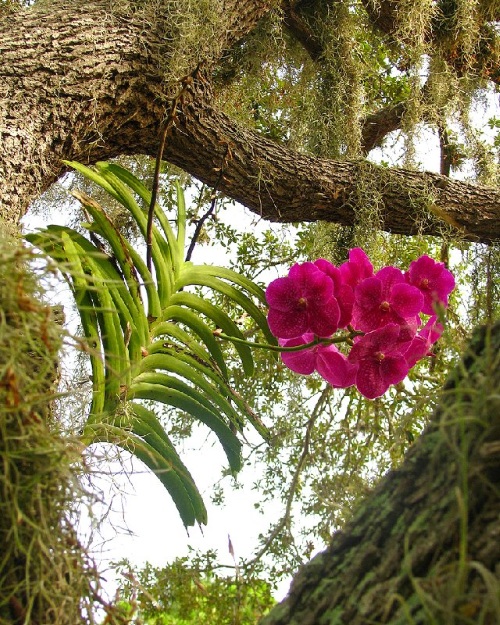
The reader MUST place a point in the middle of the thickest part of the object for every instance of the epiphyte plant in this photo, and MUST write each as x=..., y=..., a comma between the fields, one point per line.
x=149, y=335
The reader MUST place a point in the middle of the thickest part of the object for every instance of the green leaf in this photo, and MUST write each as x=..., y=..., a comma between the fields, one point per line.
x=220, y=319
x=188, y=368
x=162, y=460
x=168, y=390
x=205, y=276
x=197, y=325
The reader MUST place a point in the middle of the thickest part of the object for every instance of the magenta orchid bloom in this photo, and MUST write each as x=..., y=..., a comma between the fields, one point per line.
x=344, y=294
x=303, y=361
x=380, y=361
x=433, y=280
x=381, y=311
x=334, y=367
x=357, y=268
x=302, y=302
x=326, y=359
x=386, y=298
x=420, y=346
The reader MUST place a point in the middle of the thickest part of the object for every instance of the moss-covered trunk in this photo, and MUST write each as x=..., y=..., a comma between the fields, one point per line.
x=45, y=576
x=424, y=547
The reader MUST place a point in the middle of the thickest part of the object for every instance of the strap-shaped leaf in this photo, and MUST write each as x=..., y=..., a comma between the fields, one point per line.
x=220, y=319
x=184, y=366
x=162, y=388
x=181, y=221
x=172, y=335
x=119, y=191
x=115, y=240
x=141, y=190
x=162, y=460
x=200, y=276
x=197, y=325
x=171, y=246
x=145, y=424
x=103, y=274
x=207, y=368
x=52, y=244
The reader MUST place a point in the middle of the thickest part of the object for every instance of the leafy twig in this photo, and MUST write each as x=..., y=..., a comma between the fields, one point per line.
x=210, y=211
x=285, y=519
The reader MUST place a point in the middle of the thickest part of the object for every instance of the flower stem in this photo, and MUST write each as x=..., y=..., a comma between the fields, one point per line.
x=296, y=348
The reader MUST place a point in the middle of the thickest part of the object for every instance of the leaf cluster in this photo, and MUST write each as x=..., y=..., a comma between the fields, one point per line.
x=149, y=336
x=189, y=591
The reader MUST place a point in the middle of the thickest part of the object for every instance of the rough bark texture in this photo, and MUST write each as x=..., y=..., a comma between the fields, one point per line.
x=285, y=186
x=89, y=89
x=95, y=87
x=424, y=546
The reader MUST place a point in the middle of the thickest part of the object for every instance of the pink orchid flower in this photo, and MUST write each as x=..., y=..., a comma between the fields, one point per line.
x=344, y=294
x=433, y=280
x=326, y=359
x=386, y=298
x=421, y=344
x=357, y=268
x=302, y=302
x=380, y=361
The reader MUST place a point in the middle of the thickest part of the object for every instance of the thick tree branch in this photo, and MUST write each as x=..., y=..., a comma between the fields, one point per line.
x=97, y=86
x=76, y=105
x=285, y=186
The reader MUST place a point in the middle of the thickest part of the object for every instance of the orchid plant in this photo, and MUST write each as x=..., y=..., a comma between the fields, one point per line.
x=150, y=336
x=380, y=315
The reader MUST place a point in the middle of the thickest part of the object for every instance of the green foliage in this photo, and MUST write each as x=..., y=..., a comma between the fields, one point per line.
x=191, y=593
x=430, y=65
x=329, y=447
x=161, y=350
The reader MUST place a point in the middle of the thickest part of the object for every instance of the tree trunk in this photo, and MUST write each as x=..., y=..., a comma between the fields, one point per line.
x=80, y=83
x=46, y=578
x=424, y=546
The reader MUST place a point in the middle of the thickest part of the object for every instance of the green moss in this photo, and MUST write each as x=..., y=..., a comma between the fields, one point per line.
x=45, y=575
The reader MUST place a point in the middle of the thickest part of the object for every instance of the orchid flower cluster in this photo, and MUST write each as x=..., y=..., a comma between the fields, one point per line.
x=381, y=312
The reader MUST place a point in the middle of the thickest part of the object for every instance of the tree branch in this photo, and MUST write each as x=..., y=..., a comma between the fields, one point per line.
x=119, y=112
x=285, y=186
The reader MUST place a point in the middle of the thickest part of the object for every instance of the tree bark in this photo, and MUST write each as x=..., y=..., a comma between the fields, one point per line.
x=94, y=88
x=285, y=186
x=80, y=82
x=424, y=546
